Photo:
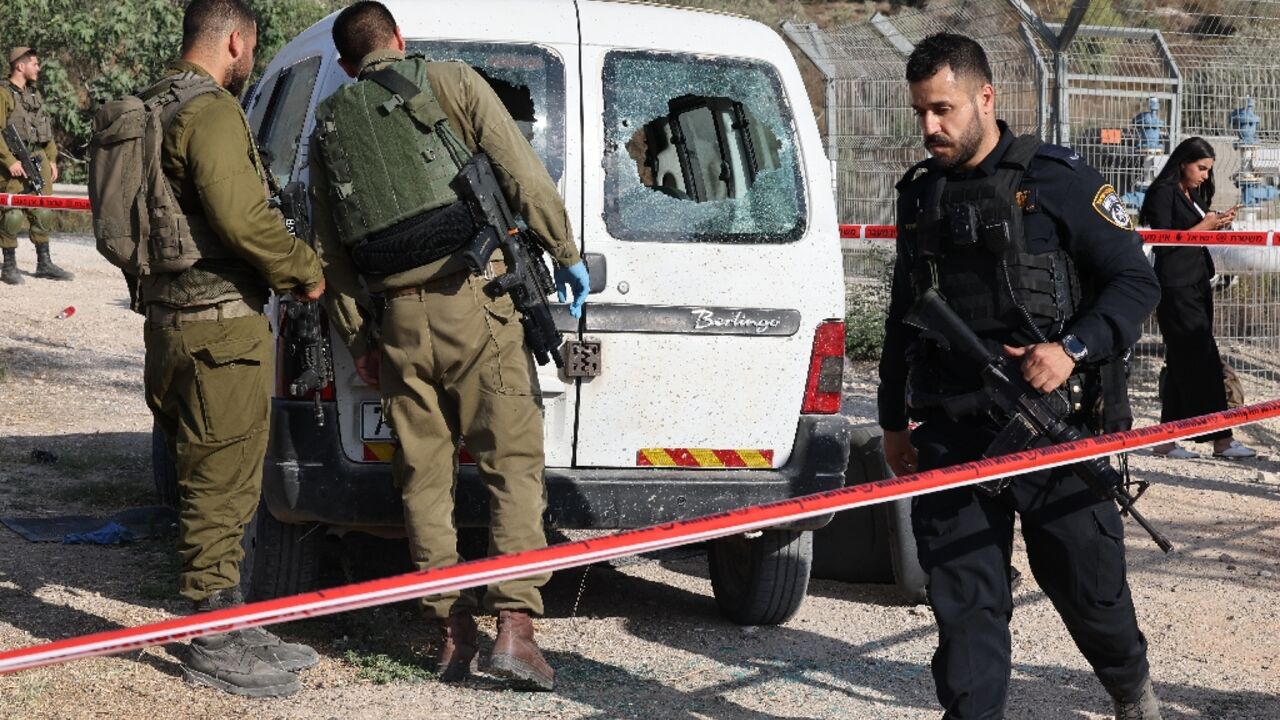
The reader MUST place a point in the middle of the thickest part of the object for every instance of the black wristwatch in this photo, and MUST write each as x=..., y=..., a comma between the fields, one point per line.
x=1075, y=349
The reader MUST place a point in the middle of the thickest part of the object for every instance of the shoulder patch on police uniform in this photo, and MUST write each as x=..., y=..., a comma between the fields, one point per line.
x=1108, y=205
x=1061, y=154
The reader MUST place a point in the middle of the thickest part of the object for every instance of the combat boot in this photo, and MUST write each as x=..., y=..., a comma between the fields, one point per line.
x=45, y=267
x=516, y=656
x=265, y=646
x=10, y=274
x=459, y=647
x=225, y=662
x=1145, y=707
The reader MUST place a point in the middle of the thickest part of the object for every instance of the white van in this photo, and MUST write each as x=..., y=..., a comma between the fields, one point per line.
x=706, y=374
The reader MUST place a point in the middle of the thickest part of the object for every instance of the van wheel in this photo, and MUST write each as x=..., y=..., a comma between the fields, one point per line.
x=279, y=558
x=762, y=580
x=907, y=574
x=854, y=546
x=870, y=544
x=163, y=472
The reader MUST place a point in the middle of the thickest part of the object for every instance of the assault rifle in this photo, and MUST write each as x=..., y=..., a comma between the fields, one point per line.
x=304, y=332
x=526, y=279
x=30, y=162
x=1025, y=413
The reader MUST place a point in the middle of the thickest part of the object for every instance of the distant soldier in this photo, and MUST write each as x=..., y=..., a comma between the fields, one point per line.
x=209, y=349
x=22, y=107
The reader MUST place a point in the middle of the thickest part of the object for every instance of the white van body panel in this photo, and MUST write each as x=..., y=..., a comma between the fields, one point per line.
x=693, y=390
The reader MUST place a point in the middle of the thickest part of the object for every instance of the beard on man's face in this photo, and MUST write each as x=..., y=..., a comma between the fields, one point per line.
x=962, y=149
x=238, y=75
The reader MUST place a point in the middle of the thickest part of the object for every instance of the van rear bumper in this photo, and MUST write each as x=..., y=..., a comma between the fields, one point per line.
x=307, y=478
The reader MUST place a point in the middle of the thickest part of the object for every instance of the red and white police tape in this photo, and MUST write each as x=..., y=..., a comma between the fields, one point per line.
x=1262, y=238
x=1267, y=238
x=631, y=542
x=48, y=202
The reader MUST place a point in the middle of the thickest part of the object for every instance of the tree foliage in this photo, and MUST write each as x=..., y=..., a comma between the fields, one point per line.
x=95, y=51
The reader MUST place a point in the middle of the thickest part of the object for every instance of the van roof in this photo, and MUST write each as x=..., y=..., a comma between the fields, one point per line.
x=677, y=8
x=411, y=13
x=554, y=22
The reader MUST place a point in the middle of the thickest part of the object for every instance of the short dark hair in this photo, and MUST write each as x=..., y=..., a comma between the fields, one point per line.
x=208, y=20
x=362, y=28
x=963, y=55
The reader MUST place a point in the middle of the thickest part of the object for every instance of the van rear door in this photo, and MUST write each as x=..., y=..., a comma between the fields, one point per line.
x=720, y=263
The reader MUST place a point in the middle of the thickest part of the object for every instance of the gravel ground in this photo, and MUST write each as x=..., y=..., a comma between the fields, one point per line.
x=638, y=638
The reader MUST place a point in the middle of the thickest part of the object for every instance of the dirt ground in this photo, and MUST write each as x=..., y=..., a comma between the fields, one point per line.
x=639, y=638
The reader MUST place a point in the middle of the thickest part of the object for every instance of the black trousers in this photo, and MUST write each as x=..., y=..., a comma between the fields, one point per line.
x=1075, y=543
x=1193, y=382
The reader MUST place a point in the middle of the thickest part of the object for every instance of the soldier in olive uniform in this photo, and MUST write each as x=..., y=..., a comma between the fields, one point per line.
x=453, y=361
x=209, y=348
x=22, y=106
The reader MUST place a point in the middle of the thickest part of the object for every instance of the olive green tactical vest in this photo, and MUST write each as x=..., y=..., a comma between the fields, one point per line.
x=372, y=189
x=28, y=116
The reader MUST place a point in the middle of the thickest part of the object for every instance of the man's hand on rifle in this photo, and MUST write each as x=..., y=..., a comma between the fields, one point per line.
x=368, y=367
x=311, y=295
x=53, y=172
x=899, y=452
x=576, y=277
x=1046, y=366
x=17, y=171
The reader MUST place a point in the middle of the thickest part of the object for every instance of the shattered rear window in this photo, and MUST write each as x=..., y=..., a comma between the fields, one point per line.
x=529, y=79
x=699, y=149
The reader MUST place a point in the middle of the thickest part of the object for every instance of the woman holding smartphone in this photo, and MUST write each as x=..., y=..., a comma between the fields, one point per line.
x=1179, y=200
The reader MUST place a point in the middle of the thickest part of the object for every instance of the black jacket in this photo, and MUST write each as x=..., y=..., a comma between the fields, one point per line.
x=1166, y=208
x=1074, y=209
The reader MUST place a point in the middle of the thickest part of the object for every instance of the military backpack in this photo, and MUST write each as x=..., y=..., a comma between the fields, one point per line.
x=136, y=219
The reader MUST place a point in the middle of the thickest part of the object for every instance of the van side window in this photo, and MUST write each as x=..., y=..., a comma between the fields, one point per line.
x=529, y=79
x=277, y=118
x=699, y=149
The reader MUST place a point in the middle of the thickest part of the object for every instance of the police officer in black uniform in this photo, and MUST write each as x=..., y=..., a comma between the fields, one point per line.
x=1036, y=253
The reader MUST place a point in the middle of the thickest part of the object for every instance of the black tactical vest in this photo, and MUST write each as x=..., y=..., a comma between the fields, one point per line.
x=966, y=239
x=34, y=125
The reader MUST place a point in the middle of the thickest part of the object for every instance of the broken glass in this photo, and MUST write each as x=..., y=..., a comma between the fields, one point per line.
x=699, y=149
x=529, y=79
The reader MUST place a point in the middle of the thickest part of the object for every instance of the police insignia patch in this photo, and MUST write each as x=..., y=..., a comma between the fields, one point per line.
x=1108, y=205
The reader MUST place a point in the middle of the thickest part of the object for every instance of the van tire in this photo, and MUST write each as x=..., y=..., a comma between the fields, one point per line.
x=279, y=558
x=854, y=546
x=762, y=580
x=910, y=578
x=163, y=472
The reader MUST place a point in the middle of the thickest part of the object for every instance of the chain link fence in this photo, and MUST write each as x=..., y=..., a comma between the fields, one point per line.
x=1120, y=81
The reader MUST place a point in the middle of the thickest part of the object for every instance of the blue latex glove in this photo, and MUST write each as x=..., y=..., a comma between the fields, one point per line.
x=576, y=277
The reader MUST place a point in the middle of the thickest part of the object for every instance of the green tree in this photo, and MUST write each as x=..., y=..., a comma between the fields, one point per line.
x=92, y=52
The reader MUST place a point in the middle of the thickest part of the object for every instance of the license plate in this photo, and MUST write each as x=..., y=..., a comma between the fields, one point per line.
x=372, y=426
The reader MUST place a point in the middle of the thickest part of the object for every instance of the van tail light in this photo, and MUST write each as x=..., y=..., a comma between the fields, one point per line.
x=304, y=361
x=825, y=386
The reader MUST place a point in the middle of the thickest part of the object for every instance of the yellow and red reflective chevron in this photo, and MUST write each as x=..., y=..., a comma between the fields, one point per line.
x=704, y=458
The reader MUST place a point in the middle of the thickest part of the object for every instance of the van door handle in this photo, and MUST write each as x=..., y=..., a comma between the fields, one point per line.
x=598, y=269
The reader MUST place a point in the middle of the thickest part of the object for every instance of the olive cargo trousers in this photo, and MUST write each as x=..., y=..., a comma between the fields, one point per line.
x=454, y=366
x=208, y=384
x=39, y=219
